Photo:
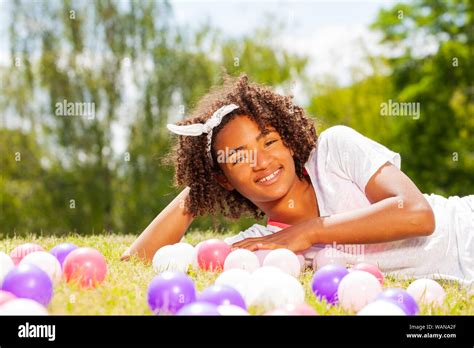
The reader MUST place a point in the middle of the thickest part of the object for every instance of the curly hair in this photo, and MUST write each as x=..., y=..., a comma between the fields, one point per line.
x=193, y=168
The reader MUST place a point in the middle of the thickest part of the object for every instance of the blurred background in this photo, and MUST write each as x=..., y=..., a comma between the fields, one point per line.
x=87, y=87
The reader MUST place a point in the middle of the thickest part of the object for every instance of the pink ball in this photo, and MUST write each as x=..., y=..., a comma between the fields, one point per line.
x=372, y=269
x=211, y=255
x=22, y=250
x=6, y=296
x=85, y=266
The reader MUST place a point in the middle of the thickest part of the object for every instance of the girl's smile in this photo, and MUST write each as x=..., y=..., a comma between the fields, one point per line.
x=271, y=178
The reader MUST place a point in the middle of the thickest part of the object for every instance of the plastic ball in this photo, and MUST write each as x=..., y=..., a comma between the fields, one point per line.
x=211, y=255
x=329, y=256
x=86, y=267
x=326, y=280
x=302, y=261
x=6, y=296
x=357, y=289
x=273, y=289
x=236, y=278
x=169, y=292
x=62, y=250
x=243, y=259
x=402, y=299
x=231, y=310
x=222, y=295
x=381, y=307
x=262, y=254
x=302, y=309
x=285, y=260
x=199, y=308
x=6, y=265
x=23, y=306
x=427, y=291
x=46, y=262
x=29, y=281
x=177, y=257
x=22, y=250
x=372, y=269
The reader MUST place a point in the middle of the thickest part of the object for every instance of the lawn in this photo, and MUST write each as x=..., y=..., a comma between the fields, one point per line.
x=125, y=289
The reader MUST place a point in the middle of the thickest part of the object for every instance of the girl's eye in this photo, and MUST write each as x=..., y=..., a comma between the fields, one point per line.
x=238, y=160
x=270, y=142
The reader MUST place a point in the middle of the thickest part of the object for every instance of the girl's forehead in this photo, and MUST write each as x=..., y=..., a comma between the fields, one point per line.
x=239, y=129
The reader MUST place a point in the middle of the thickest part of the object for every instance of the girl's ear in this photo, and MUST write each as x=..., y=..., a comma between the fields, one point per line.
x=222, y=180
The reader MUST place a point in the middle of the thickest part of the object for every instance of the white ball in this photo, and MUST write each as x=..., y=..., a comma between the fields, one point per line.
x=243, y=259
x=231, y=310
x=6, y=265
x=47, y=262
x=357, y=289
x=381, y=307
x=427, y=291
x=329, y=256
x=185, y=251
x=236, y=278
x=22, y=306
x=171, y=258
x=285, y=260
x=266, y=272
x=272, y=289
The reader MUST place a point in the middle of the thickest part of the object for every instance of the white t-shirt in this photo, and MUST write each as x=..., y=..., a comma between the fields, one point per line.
x=340, y=167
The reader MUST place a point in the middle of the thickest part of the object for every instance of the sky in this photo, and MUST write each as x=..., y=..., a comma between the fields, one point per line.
x=329, y=32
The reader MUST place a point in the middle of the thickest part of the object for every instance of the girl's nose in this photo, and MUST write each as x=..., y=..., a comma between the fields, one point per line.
x=262, y=160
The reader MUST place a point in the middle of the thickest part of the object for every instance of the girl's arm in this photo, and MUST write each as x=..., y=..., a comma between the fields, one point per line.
x=398, y=210
x=167, y=228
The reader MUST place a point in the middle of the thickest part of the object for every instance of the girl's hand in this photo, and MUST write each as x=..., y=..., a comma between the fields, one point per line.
x=295, y=238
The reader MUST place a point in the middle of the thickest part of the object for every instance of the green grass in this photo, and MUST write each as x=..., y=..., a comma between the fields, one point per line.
x=125, y=289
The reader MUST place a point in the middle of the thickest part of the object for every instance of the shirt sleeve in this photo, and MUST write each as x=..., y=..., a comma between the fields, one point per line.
x=354, y=156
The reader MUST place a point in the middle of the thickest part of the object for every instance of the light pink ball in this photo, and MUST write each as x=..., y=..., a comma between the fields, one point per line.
x=22, y=250
x=243, y=259
x=329, y=256
x=357, y=289
x=285, y=260
x=261, y=254
x=290, y=309
x=427, y=291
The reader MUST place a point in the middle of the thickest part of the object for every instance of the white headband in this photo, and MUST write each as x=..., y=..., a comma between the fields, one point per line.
x=197, y=129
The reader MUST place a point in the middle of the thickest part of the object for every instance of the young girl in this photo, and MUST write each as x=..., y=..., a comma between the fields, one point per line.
x=249, y=150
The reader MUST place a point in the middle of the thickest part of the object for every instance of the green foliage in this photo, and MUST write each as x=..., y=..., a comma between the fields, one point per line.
x=139, y=70
x=437, y=148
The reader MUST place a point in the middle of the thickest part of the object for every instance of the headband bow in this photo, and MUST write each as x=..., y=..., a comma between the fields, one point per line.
x=197, y=129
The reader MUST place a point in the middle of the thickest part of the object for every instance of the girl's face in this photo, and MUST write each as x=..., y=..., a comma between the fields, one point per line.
x=260, y=167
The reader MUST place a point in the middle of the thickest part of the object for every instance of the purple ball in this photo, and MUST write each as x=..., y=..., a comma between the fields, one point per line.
x=402, y=299
x=222, y=295
x=29, y=281
x=199, y=308
x=326, y=281
x=60, y=251
x=169, y=292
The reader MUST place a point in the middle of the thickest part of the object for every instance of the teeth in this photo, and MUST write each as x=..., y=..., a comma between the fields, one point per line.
x=270, y=177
